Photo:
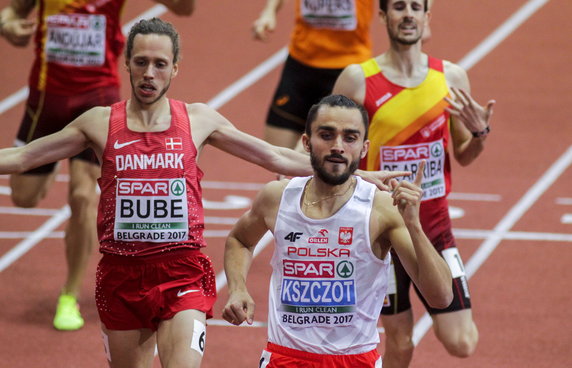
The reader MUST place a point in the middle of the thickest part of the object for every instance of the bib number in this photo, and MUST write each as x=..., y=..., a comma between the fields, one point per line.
x=76, y=39
x=151, y=210
x=334, y=15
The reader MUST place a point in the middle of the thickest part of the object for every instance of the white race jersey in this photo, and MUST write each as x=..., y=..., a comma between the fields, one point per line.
x=327, y=286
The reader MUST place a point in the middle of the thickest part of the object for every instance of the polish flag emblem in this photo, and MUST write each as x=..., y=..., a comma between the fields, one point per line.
x=345, y=236
x=174, y=144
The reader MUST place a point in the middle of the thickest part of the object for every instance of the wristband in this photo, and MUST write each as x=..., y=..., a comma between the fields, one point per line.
x=482, y=133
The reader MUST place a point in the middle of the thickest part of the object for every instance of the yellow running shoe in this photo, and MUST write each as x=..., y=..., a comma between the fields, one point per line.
x=67, y=316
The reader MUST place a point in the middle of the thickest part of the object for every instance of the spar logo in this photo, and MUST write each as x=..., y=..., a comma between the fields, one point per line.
x=143, y=188
x=321, y=239
x=308, y=269
x=150, y=188
x=345, y=269
x=345, y=235
x=406, y=153
x=178, y=187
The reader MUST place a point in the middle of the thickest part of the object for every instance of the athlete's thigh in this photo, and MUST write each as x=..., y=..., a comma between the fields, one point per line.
x=182, y=338
x=129, y=348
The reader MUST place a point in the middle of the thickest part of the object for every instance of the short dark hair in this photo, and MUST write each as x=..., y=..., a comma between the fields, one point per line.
x=153, y=26
x=333, y=101
x=383, y=5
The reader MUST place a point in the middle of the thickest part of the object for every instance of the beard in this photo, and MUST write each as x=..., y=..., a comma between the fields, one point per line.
x=329, y=178
x=161, y=94
x=394, y=38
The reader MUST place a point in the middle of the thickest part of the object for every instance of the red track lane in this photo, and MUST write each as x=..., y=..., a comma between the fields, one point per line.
x=520, y=294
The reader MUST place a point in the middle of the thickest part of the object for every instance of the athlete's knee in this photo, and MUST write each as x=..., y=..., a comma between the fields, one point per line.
x=462, y=345
x=25, y=199
x=399, y=341
x=82, y=198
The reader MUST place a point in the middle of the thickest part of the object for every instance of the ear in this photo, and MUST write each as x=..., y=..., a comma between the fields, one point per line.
x=383, y=17
x=306, y=142
x=365, y=148
x=175, y=70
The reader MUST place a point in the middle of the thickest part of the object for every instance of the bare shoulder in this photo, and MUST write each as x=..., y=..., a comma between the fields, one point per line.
x=271, y=193
x=383, y=207
x=351, y=83
x=93, y=119
x=456, y=76
x=202, y=114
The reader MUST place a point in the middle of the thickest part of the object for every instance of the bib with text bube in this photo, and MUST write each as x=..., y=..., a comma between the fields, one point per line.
x=76, y=39
x=330, y=14
x=151, y=210
x=408, y=158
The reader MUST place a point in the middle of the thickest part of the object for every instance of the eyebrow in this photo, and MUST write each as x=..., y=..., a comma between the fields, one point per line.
x=332, y=129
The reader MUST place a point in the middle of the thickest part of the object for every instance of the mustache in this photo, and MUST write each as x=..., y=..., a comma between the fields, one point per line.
x=336, y=156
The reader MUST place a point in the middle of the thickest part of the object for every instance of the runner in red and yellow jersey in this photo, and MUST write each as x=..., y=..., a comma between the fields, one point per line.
x=327, y=36
x=77, y=45
x=417, y=104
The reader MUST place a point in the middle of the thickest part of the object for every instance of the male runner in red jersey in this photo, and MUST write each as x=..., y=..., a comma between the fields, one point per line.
x=412, y=118
x=77, y=45
x=154, y=286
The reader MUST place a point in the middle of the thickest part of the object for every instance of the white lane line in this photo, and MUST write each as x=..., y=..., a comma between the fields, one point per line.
x=480, y=197
x=501, y=33
x=14, y=99
x=502, y=228
x=21, y=248
x=28, y=211
x=512, y=235
x=459, y=234
x=249, y=79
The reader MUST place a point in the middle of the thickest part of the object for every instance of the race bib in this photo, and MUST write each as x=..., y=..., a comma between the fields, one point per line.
x=335, y=15
x=151, y=210
x=76, y=39
x=318, y=293
x=408, y=157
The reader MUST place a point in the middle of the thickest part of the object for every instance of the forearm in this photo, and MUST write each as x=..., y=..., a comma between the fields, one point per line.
x=470, y=150
x=291, y=163
x=237, y=260
x=433, y=274
x=272, y=6
x=179, y=7
x=12, y=161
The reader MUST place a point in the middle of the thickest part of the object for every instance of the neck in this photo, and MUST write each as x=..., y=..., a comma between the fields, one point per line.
x=320, y=194
x=149, y=115
x=405, y=59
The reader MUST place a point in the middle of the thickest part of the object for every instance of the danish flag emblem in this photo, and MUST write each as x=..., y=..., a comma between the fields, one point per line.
x=174, y=144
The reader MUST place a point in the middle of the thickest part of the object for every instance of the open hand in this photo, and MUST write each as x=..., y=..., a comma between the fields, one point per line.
x=475, y=117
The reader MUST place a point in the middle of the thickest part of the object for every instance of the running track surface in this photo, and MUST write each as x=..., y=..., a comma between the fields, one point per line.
x=515, y=232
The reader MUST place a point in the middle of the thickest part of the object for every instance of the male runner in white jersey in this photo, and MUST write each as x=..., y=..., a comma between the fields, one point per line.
x=152, y=291
x=333, y=234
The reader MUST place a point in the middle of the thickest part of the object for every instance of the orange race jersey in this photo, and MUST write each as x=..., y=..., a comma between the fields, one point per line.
x=332, y=34
x=408, y=125
x=77, y=45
